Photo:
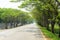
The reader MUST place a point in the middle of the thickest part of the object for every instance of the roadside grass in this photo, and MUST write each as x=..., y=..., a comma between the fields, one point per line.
x=48, y=34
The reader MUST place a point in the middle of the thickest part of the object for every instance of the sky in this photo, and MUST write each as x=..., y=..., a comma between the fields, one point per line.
x=8, y=4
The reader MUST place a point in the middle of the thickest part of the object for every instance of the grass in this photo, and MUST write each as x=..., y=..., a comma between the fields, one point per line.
x=48, y=34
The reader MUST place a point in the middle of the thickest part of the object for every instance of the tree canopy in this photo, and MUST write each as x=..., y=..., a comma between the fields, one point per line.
x=44, y=11
x=14, y=16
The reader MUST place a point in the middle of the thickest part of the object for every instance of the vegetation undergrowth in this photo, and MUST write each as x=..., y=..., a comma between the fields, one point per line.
x=49, y=35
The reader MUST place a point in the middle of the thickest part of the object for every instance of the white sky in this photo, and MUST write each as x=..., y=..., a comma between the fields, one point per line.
x=7, y=4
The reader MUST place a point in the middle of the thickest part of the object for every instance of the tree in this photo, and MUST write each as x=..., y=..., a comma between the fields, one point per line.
x=58, y=17
x=45, y=12
x=14, y=17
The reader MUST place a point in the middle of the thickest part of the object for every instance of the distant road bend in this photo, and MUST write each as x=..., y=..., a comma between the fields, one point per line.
x=26, y=32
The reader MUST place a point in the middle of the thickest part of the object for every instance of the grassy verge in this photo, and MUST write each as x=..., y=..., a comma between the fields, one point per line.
x=48, y=34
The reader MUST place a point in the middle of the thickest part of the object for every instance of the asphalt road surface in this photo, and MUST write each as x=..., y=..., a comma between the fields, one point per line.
x=26, y=32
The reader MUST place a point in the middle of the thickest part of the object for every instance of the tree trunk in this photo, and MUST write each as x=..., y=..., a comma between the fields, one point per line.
x=11, y=25
x=16, y=24
x=47, y=24
x=59, y=29
x=6, y=26
x=52, y=26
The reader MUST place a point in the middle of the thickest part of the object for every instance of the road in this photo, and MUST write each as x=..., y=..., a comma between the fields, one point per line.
x=26, y=32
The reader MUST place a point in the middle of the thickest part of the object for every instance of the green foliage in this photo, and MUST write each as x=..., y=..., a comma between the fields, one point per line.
x=14, y=1
x=45, y=12
x=8, y=15
x=43, y=7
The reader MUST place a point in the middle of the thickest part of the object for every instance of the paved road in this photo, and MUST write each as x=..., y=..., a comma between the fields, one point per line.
x=26, y=32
